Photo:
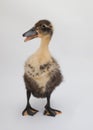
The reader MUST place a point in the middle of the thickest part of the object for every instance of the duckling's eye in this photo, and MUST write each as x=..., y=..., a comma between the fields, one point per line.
x=43, y=26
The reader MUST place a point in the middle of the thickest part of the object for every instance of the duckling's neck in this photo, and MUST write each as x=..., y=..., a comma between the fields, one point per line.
x=44, y=45
x=43, y=52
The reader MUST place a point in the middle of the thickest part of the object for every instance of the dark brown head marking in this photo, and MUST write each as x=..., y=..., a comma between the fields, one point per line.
x=44, y=27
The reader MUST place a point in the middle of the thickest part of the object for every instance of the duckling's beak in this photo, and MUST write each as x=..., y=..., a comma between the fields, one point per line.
x=30, y=34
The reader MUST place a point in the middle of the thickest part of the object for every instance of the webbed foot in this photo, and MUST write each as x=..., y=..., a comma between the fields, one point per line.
x=29, y=111
x=51, y=112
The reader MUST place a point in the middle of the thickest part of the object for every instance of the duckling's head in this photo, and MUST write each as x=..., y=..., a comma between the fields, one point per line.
x=41, y=29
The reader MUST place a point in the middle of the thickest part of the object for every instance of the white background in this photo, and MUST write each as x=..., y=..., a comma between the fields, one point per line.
x=71, y=45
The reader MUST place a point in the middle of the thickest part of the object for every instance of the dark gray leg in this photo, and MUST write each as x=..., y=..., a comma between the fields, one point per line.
x=50, y=111
x=29, y=110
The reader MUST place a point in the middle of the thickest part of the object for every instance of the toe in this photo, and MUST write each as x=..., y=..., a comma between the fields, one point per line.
x=58, y=112
x=49, y=113
x=31, y=112
x=25, y=113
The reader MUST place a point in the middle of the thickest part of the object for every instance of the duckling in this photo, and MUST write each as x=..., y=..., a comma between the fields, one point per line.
x=42, y=73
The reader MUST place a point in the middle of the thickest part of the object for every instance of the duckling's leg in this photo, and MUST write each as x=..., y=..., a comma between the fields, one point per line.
x=29, y=110
x=50, y=111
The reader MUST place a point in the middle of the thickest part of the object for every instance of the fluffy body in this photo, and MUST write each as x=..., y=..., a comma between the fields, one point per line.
x=40, y=78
